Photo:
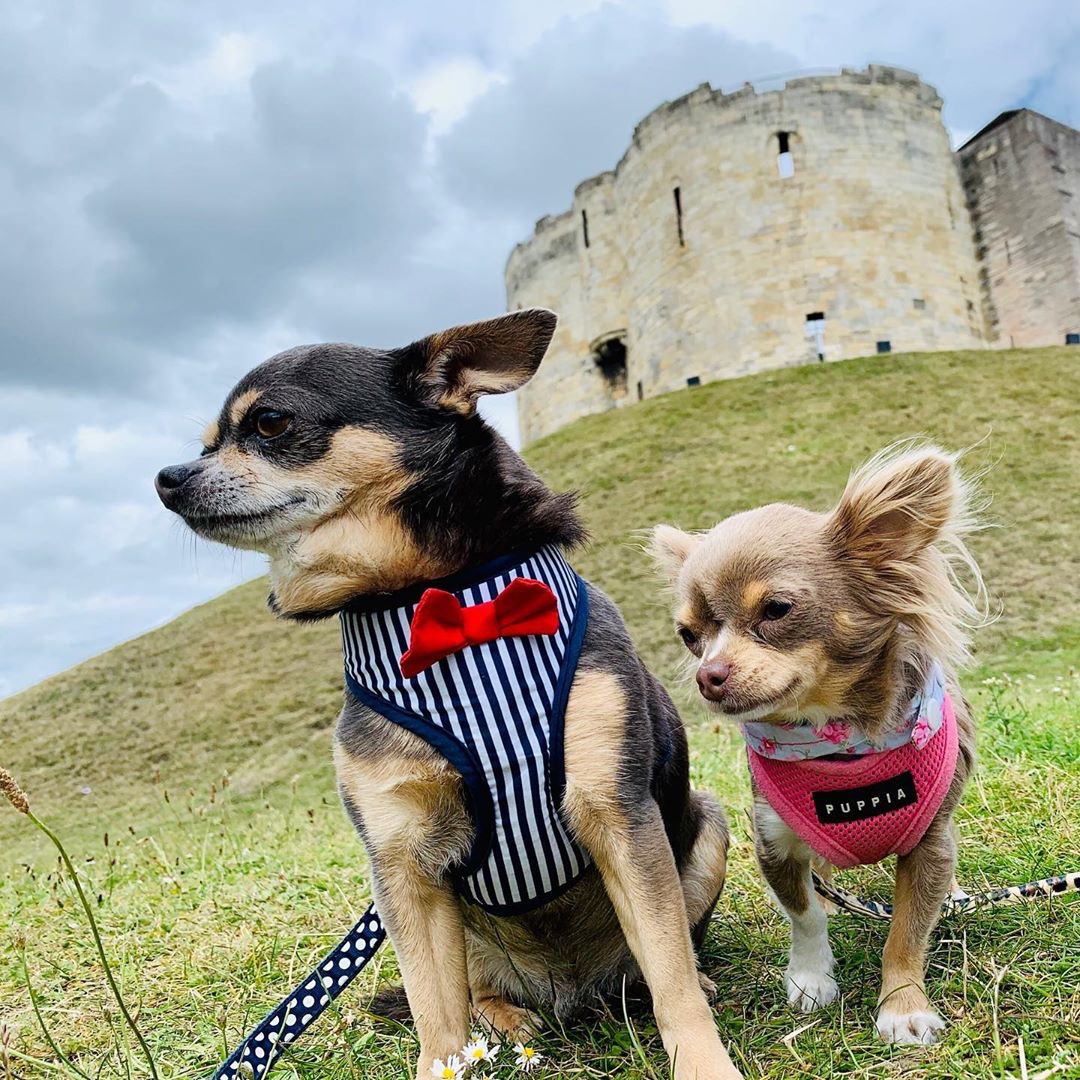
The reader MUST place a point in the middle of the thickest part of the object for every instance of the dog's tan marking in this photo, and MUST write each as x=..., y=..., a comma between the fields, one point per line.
x=345, y=556
x=211, y=434
x=409, y=806
x=361, y=468
x=594, y=732
x=360, y=545
x=636, y=863
x=753, y=593
x=250, y=468
x=706, y=868
x=359, y=460
x=400, y=798
x=240, y=407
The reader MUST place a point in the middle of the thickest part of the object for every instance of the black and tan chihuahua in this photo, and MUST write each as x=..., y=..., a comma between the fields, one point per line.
x=361, y=473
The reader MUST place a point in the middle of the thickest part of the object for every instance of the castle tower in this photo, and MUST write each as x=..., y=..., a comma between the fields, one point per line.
x=748, y=231
x=1021, y=175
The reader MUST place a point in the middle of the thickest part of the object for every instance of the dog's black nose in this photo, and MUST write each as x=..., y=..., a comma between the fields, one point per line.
x=711, y=677
x=171, y=479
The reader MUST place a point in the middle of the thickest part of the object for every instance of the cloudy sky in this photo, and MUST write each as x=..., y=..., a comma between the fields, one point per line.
x=187, y=187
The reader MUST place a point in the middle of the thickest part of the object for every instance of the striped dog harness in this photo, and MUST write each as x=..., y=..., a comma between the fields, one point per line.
x=490, y=698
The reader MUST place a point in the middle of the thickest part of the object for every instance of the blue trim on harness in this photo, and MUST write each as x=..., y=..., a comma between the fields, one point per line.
x=461, y=757
x=557, y=772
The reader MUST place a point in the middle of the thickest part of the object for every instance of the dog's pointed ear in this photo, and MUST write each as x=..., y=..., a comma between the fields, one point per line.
x=454, y=367
x=670, y=548
x=896, y=505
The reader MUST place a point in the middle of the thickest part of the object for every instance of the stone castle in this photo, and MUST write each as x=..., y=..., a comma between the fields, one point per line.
x=824, y=220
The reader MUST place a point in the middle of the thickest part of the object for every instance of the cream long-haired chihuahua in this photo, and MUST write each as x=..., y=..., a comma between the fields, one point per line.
x=833, y=641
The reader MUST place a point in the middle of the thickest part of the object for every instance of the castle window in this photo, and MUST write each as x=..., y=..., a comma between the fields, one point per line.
x=585, y=227
x=815, y=330
x=678, y=216
x=693, y=380
x=785, y=163
x=609, y=355
x=919, y=304
x=884, y=346
x=1072, y=339
x=640, y=391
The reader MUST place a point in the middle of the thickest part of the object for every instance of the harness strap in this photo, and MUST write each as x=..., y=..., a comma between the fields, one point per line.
x=254, y=1057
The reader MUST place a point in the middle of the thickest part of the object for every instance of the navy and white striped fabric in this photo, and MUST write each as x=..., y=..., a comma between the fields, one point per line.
x=495, y=711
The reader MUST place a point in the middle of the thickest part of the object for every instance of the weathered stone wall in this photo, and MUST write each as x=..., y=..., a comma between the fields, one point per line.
x=871, y=230
x=1022, y=180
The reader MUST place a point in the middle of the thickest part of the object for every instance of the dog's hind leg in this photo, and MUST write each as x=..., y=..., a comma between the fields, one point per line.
x=785, y=864
x=495, y=1013
x=923, y=878
x=705, y=868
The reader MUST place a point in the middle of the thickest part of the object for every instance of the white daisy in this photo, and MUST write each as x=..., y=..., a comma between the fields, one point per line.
x=451, y=1069
x=528, y=1057
x=479, y=1050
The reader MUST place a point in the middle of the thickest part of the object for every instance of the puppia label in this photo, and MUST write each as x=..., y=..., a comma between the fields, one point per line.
x=858, y=804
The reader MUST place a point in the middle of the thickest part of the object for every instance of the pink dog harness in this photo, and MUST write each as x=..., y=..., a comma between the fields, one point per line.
x=850, y=801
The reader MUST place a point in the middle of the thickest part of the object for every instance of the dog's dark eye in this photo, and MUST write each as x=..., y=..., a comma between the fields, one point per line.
x=270, y=423
x=688, y=636
x=775, y=609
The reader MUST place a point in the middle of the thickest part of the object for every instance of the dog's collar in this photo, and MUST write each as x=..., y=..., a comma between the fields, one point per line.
x=802, y=742
x=461, y=579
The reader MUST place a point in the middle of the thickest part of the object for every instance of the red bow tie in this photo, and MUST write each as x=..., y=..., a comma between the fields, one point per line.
x=441, y=626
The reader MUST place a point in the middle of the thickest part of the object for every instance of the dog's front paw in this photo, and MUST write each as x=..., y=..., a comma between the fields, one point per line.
x=707, y=985
x=808, y=989
x=923, y=1028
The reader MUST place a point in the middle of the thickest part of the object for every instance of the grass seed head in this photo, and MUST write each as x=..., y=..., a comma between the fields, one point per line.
x=12, y=792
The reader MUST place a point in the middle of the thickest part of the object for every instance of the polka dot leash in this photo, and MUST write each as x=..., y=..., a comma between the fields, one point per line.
x=254, y=1057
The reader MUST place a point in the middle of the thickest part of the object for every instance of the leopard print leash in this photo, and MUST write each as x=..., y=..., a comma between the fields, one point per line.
x=959, y=903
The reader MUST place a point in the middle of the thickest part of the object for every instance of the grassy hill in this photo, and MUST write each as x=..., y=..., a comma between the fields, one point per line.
x=201, y=749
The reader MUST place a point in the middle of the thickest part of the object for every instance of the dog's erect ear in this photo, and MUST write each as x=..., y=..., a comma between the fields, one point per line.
x=455, y=367
x=896, y=505
x=670, y=548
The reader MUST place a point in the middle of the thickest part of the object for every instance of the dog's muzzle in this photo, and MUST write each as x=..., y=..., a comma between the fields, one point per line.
x=169, y=483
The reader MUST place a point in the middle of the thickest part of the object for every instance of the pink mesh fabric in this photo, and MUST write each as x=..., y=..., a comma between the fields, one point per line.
x=789, y=787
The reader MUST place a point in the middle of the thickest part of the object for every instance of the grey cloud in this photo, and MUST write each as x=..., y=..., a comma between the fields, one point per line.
x=570, y=102
x=136, y=225
x=319, y=174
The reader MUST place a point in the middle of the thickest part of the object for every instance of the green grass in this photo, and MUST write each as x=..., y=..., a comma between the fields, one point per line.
x=214, y=897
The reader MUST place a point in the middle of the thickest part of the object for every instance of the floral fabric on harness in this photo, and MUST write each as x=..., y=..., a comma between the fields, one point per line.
x=855, y=806
x=798, y=742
